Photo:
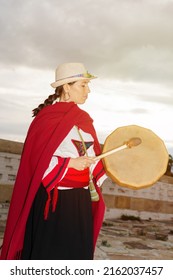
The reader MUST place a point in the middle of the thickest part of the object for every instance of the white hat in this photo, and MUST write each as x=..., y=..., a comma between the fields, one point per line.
x=70, y=72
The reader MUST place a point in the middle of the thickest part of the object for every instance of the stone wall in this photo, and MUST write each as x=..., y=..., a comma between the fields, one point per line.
x=155, y=202
x=9, y=164
x=10, y=154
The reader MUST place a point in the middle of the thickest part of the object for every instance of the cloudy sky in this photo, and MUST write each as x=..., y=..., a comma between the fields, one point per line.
x=128, y=44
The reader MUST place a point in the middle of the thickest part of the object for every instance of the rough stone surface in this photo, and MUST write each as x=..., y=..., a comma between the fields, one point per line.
x=129, y=240
x=140, y=240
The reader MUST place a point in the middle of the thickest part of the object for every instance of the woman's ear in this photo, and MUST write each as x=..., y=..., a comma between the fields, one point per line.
x=65, y=94
x=66, y=88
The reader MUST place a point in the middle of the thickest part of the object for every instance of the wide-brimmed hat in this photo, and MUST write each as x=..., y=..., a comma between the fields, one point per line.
x=70, y=72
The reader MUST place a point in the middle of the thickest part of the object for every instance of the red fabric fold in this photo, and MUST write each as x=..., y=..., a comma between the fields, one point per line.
x=55, y=198
x=47, y=206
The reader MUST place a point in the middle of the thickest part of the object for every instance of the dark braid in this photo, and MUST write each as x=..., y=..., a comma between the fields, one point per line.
x=49, y=100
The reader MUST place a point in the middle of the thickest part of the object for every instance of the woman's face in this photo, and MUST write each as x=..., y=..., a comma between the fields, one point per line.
x=78, y=92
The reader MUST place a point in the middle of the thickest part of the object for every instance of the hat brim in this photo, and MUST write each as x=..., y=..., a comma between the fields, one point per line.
x=70, y=80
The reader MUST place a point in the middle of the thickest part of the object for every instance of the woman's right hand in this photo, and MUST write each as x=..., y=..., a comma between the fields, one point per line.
x=80, y=163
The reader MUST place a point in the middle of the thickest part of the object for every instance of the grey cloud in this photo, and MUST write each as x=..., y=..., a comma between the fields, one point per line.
x=139, y=111
x=13, y=130
x=164, y=99
x=127, y=40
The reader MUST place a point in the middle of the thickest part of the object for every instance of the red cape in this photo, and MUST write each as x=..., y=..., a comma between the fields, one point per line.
x=45, y=134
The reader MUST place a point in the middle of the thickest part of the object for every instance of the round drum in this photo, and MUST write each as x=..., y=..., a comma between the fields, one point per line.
x=137, y=167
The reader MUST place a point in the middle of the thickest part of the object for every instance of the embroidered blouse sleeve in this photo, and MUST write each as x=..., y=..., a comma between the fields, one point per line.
x=55, y=172
x=98, y=172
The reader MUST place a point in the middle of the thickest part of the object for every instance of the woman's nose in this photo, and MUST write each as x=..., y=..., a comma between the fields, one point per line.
x=88, y=90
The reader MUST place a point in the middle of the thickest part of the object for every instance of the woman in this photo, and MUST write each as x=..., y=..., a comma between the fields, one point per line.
x=53, y=214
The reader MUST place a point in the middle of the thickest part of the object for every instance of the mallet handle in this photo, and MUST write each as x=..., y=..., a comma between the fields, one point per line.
x=111, y=152
x=135, y=141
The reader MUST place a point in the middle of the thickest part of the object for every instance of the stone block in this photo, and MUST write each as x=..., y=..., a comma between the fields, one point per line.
x=5, y=193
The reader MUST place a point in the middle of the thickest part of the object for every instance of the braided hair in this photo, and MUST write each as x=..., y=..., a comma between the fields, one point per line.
x=51, y=98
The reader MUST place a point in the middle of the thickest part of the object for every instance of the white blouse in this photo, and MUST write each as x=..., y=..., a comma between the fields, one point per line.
x=72, y=147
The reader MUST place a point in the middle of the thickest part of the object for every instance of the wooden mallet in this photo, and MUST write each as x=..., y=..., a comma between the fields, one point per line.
x=129, y=144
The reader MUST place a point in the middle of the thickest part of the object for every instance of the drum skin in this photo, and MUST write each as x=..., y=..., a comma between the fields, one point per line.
x=137, y=167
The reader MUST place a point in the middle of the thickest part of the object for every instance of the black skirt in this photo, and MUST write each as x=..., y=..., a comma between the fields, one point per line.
x=67, y=234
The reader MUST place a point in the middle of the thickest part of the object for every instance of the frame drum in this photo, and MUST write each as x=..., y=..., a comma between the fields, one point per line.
x=137, y=167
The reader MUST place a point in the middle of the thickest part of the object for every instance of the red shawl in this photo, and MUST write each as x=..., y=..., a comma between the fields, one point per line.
x=45, y=134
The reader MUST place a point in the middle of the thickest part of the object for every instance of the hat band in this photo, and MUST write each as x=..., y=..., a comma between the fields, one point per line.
x=84, y=75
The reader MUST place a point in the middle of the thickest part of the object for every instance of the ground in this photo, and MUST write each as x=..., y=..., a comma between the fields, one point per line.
x=131, y=239
x=135, y=239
